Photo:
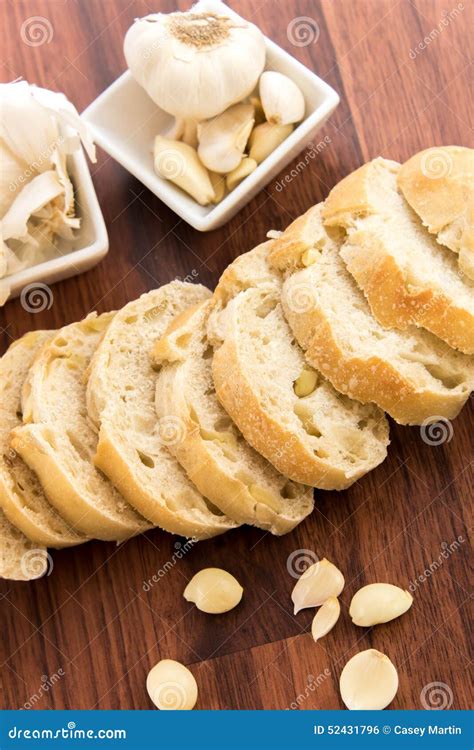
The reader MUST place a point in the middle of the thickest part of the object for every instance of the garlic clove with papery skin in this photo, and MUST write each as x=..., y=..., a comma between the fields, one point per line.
x=265, y=138
x=179, y=163
x=195, y=64
x=282, y=100
x=223, y=139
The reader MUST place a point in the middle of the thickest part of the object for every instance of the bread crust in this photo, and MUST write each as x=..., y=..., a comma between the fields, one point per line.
x=32, y=443
x=395, y=300
x=111, y=461
x=224, y=489
x=19, y=555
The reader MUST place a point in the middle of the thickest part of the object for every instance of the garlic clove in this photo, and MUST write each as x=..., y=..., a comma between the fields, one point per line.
x=219, y=186
x=325, y=618
x=189, y=135
x=213, y=591
x=265, y=138
x=282, y=100
x=179, y=163
x=319, y=582
x=306, y=382
x=223, y=139
x=368, y=682
x=197, y=63
x=171, y=686
x=377, y=603
x=246, y=167
x=256, y=103
x=175, y=130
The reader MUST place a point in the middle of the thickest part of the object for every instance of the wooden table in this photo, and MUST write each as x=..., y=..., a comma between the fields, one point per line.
x=90, y=628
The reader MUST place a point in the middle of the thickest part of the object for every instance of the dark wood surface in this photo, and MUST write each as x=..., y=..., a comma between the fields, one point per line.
x=91, y=622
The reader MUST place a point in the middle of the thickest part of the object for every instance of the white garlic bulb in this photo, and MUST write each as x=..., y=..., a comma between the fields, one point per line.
x=195, y=64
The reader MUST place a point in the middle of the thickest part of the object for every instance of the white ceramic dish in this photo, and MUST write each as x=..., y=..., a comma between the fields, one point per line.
x=89, y=246
x=124, y=121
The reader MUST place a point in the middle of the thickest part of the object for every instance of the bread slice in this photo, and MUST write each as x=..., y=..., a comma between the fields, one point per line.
x=132, y=447
x=411, y=374
x=318, y=437
x=438, y=183
x=20, y=558
x=407, y=277
x=210, y=448
x=21, y=495
x=58, y=442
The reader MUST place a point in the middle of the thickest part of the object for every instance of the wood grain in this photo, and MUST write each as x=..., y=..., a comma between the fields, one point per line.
x=94, y=621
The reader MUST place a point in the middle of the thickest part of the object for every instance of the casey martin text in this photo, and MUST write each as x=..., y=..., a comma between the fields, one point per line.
x=430, y=729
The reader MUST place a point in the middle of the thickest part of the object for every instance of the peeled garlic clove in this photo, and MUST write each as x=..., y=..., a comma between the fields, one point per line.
x=189, y=135
x=282, y=100
x=368, y=682
x=319, y=582
x=223, y=139
x=259, y=113
x=265, y=138
x=218, y=184
x=179, y=163
x=245, y=168
x=214, y=591
x=377, y=603
x=171, y=686
x=325, y=618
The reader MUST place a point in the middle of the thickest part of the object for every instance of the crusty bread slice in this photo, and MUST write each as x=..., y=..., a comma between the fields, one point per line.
x=132, y=447
x=438, y=183
x=318, y=437
x=407, y=277
x=20, y=558
x=411, y=374
x=210, y=448
x=21, y=495
x=58, y=442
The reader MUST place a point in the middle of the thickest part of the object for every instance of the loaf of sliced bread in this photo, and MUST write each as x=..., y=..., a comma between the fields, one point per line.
x=288, y=412
x=133, y=444
x=21, y=495
x=411, y=374
x=407, y=277
x=438, y=183
x=58, y=442
x=20, y=558
x=210, y=448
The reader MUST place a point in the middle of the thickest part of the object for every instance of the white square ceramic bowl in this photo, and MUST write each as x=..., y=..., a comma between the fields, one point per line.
x=124, y=121
x=89, y=246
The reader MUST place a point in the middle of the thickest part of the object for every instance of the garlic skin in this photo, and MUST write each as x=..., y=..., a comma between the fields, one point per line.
x=223, y=139
x=368, y=682
x=319, y=582
x=195, y=64
x=177, y=162
x=378, y=603
x=265, y=138
x=36, y=195
x=282, y=100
